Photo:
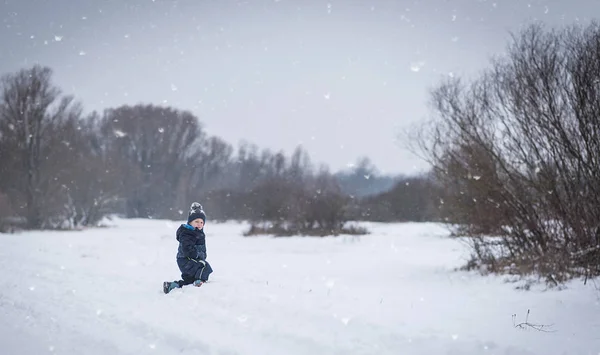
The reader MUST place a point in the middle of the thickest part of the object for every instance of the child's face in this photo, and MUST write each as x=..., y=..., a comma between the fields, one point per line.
x=197, y=223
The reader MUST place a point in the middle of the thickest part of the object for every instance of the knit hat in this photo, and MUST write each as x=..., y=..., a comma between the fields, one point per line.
x=196, y=211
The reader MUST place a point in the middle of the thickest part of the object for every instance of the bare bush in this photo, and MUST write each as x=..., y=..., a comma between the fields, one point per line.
x=517, y=150
x=290, y=200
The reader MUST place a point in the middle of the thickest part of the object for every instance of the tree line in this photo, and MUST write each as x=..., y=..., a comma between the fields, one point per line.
x=61, y=168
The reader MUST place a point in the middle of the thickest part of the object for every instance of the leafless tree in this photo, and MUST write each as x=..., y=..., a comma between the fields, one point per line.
x=31, y=108
x=6, y=213
x=93, y=184
x=160, y=145
x=518, y=151
x=412, y=198
x=327, y=203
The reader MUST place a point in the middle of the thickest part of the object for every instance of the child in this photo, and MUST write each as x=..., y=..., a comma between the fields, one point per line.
x=191, y=254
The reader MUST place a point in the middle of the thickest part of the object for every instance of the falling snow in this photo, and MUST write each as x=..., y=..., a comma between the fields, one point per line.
x=119, y=133
x=275, y=295
x=417, y=66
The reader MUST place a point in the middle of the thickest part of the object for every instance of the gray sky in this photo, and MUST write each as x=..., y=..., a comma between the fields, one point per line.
x=342, y=78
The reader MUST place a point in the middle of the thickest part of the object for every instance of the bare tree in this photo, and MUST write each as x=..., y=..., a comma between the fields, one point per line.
x=30, y=107
x=93, y=184
x=327, y=204
x=6, y=213
x=300, y=166
x=158, y=143
x=211, y=160
x=412, y=199
x=518, y=151
x=251, y=166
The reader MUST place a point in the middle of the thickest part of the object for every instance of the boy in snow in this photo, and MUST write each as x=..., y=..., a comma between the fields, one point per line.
x=191, y=254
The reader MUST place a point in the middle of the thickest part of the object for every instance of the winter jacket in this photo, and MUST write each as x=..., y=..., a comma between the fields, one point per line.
x=191, y=255
x=192, y=243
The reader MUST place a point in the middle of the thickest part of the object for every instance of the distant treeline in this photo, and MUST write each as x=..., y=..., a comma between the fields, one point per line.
x=61, y=168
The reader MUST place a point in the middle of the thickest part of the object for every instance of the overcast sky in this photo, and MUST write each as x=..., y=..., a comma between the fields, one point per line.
x=340, y=77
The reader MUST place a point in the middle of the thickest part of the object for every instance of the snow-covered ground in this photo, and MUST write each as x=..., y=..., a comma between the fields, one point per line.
x=391, y=292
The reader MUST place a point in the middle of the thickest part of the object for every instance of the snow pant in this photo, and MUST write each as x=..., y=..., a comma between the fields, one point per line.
x=192, y=270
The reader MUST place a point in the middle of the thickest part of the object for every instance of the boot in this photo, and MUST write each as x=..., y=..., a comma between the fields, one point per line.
x=169, y=286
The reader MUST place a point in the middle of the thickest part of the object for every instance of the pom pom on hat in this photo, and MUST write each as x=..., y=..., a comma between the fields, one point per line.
x=196, y=211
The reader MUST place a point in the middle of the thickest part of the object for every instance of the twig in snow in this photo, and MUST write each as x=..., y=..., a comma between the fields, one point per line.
x=526, y=324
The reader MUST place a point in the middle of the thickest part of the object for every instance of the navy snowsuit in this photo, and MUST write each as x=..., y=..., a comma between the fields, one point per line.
x=191, y=255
